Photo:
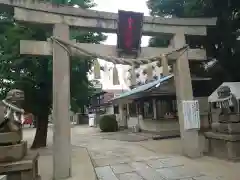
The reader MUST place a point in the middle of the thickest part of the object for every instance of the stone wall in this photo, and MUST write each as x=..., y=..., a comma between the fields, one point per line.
x=154, y=125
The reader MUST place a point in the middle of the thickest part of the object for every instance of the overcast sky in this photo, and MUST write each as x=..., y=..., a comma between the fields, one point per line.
x=114, y=6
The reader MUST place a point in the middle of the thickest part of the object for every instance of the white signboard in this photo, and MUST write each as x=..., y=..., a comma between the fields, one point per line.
x=91, y=119
x=191, y=115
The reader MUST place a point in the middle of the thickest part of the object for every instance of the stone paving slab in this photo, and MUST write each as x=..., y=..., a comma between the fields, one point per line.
x=208, y=178
x=130, y=176
x=129, y=137
x=105, y=173
x=146, y=172
x=170, y=169
x=147, y=158
x=130, y=151
x=164, y=163
x=121, y=168
x=181, y=172
x=110, y=161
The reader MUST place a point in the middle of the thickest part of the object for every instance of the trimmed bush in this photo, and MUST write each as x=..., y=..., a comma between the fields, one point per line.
x=108, y=123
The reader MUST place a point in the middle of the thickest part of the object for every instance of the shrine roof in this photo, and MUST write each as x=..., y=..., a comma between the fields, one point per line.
x=143, y=88
x=235, y=89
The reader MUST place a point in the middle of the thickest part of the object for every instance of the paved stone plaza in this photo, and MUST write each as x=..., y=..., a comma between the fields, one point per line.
x=115, y=158
x=151, y=169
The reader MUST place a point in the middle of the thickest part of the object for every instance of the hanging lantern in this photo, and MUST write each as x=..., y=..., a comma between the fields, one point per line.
x=149, y=72
x=96, y=70
x=115, y=76
x=165, y=66
x=133, y=75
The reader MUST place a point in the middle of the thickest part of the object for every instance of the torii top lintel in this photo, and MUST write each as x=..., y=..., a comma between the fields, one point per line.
x=46, y=13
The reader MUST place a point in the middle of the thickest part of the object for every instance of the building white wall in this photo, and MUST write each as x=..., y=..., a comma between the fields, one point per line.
x=110, y=110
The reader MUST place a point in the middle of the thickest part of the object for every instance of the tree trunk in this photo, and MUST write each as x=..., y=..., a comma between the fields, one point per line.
x=40, y=139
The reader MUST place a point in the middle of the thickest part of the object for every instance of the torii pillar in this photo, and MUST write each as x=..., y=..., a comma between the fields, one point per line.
x=183, y=84
x=61, y=104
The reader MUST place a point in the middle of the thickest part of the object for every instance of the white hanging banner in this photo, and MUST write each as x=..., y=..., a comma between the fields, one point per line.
x=191, y=115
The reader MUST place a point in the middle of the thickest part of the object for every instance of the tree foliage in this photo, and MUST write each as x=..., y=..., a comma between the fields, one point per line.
x=221, y=42
x=181, y=8
x=34, y=74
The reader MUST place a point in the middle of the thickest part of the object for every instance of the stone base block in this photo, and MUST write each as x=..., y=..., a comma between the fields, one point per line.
x=229, y=118
x=13, y=153
x=223, y=146
x=226, y=128
x=11, y=137
x=26, y=169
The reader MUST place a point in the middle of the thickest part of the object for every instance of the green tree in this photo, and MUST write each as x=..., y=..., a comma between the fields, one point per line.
x=34, y=74
x=181, y=8
x=221, y=42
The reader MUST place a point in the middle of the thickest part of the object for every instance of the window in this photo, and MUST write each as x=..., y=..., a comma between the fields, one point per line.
x=148, y=109
x=166, y=108
x=100, y=99
x=133, y=109
x=116, y=109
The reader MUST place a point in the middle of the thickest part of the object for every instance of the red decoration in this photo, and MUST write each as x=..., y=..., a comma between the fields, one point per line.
x=129, y=32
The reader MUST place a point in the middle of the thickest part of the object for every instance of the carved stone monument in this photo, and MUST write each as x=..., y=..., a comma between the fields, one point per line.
x=224, y=139
x=15, y=161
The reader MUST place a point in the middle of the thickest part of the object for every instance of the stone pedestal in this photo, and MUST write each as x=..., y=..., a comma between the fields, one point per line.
x=25, y=169
x=10, y=137
x=13, y=152
x=224, y=140
x=224, y=146
x=15, y=161
x=226, y=128
x=229, y=118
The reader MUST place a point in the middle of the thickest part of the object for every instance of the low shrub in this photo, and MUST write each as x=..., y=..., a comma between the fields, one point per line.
x=108, y=123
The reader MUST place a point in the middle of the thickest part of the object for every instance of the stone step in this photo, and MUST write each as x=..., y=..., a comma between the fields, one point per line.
x=13, y=153
x=26, y=169
x=222, y=136
x=11, y=137
x=229, y=128
x=229, y=118
x=223, y=146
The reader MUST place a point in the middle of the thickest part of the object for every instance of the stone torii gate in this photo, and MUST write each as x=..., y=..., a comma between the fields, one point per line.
x=61, y=19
